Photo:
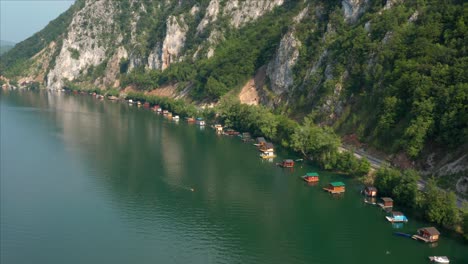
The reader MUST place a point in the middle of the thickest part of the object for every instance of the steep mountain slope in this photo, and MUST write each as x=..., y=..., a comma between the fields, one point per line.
x=388, y=73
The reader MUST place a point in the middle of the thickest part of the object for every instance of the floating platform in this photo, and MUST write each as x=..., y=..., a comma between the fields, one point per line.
x=418, y=237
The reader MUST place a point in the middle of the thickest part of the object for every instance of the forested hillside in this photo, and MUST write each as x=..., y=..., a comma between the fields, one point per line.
x=393, y=74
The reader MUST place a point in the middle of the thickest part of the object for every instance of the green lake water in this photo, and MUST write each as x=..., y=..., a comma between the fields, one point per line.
x=89, y=181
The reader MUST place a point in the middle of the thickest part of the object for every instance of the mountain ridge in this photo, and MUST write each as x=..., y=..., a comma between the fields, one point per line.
x=388, y=73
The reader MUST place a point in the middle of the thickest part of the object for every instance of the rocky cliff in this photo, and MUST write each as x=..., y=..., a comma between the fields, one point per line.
x=351, y=64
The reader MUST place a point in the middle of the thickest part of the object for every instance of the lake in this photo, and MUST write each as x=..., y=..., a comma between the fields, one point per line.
x=89, y=181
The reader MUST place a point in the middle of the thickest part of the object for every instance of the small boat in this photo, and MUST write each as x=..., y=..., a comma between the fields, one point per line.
x=200, y=121
x=396, y=217
x=402, y=234
x=176, y=118
x=439, y=259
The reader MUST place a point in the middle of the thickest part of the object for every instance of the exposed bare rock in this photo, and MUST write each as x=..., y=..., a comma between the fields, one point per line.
x=245, y=11
x=211, y=15
x=280, y=69
x=353, y=9
x=84, y=46
x=391, y=3
x=113, y=66
x=170, y=51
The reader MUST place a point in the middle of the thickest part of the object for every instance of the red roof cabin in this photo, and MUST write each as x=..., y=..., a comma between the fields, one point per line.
x=311, y=177
x=287, y=163
x=335, y=187
x=146, y=105
x=370, y=191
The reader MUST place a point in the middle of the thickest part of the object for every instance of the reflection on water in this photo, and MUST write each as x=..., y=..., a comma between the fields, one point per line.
x=143, y=189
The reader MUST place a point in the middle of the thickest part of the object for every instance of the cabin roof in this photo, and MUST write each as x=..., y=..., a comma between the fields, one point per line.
x=371, y=188
x=396, y=213
x=199, y=118
x=269, y=145
x=312, y=174
x=387, y=199
x=261, y=139
x=288, y=160
x=337, y=184
x=431, y=230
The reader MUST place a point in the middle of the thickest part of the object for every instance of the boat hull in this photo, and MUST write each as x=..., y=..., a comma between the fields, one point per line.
x=439, y=259
x=393, y=220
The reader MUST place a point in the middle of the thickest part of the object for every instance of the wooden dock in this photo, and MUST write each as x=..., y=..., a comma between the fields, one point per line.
x=418, y=237
x=333, y=191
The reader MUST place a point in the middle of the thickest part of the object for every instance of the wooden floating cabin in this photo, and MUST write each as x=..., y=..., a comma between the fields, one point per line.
x=311, y=177
x=169, y=115
x=190, y=119
x=370, y=191
x=260, y=141
x=427, y=234
x=231, y=132
x=267, y=147
x=387, y=202
x=155, y=108
x=267, y=155
x=146, y=105
x=287, y=163
x=218, y=128
x=335, y=187
x=397, y=217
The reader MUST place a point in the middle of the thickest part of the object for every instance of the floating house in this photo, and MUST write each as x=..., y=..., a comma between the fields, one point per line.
x=427, y=234
x=175, y=118
x=165, y=112
x=267, y=155
x=397, y=217
x=231, y=132
x=370, y=191
x=169, y=115
x=311, y=177
x=287, y=163
x=267, y=147
x=200, y=121
x=335, y=187
x=386, y=202
x=260, y=141
x=218, y=128
x=146, y=105
x=190, y=119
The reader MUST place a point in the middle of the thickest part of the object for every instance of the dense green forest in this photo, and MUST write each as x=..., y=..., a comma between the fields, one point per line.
x=405, y=79
x=402, y=70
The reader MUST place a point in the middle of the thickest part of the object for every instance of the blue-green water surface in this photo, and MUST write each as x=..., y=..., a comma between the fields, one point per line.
x=89, y=181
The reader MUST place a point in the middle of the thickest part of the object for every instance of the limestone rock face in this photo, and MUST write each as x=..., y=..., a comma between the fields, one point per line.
x=245, y=11
x=84, y=45
x=169, y=51
x=279, y=70
x=353, y=9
